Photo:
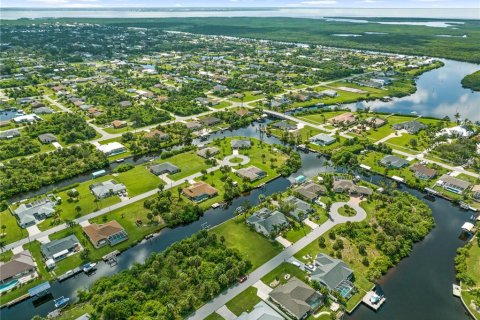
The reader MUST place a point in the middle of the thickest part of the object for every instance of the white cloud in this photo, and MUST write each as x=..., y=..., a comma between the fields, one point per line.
x=319, y=2
x=53, y=2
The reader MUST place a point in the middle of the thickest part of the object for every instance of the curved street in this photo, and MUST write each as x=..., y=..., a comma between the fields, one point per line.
x=283, y=256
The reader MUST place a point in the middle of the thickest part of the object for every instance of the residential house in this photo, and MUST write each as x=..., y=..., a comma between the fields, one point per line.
x=375, y=122
x=476, y=192
x=42, y=110
x=285, y=125
x=47, y=138
x=261, y=311
x=112, y=148
x=251, y=173
x=296, y=298
x=199, y=191
x=117, y=124
x=344, y=119
x=301, y=209
x=393, y=162
x=267, y=222
x=27, y=118
x=423, y=172
x=107, y=188
x=125, y=104
x=193, y=125
x=329, y=93
x=412, y=127
x=61, y=248
x=310, y=191
x=322, y=139
x=242, y=112
x=208, y=152
x=20, y=265
x=453, y=184
x=334, y=274
x=10, y=134
x=241, y=144
x=341, y=185
x=28, y=214
x=110, y=233
x=209, y=121
x=162, y=168
x=155, y=133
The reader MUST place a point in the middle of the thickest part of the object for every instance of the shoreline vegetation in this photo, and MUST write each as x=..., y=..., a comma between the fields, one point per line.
x=401, y=39
x=472, y=81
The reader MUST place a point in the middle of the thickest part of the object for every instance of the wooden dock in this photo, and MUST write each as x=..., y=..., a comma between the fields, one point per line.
x=456, y=290
x=15, y=301
x=366, y=300
x=69, y=274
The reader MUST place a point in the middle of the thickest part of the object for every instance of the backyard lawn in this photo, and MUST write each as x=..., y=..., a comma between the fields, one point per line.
x=296, y=232
x=138, y=180
x=252, y=246
x=278, y=274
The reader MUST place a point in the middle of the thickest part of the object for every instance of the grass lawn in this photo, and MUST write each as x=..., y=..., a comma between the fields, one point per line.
x=347, y=211
x=473, y=261
x=278, y=274
x=248, y=96
x=188, y=162
x=251, y=245
x=467, y=297
x=126, y=216
x=222, y=104
x=321, y=117
x=12, y=231
x=5, y=256
x=74, y=311
x=214, y=316
x=138, y=180
x=296, y=232
x=245, y=301
x=86, y=201
x=350, y=256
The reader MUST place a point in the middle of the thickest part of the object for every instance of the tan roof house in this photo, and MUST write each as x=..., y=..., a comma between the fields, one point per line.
x=110, y=233
x=199, y=191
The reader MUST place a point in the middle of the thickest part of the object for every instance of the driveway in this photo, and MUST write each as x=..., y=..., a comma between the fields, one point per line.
x=262, y=289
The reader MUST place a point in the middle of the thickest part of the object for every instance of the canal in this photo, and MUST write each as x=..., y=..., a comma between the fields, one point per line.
x=418, y=288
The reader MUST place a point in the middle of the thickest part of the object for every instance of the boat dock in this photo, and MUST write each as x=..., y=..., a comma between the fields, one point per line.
x=69, y=274
x=374, y=299
x=457, y=290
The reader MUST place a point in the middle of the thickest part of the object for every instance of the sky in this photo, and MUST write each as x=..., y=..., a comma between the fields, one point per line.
x=245, y=3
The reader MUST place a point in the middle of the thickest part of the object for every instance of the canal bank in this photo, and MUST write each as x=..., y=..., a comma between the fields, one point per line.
x=423, y=280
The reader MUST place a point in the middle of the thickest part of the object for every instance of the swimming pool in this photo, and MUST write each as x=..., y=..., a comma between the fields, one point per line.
x=8, y=286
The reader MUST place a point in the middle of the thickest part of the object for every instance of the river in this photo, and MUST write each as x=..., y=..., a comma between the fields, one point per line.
x=418, y=288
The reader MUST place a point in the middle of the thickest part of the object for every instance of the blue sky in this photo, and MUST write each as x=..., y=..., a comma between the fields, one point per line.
x=247, y=3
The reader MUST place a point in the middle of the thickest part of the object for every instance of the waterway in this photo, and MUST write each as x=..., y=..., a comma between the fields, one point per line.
x=418, y=288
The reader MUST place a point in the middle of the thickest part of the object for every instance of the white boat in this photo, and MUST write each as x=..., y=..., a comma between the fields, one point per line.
x=89, y=267
x=215, y=205
x=120, y=160
x=61, y=302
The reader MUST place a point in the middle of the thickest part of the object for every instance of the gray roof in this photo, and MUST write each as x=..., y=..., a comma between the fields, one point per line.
x=410, y=126
x=57, y=246
x=47, y=137
x=42, y=110
x=261, y=311
x=9, y=134
x=238, y=144
x=300, y=206
x=454, y=182
x=284, y=125
x=209, y=121
x=296, y=297
x=393, y=161
x=310, y=190
x=330, y=271
x=162, y=168
x=252, y=173
x=211, y=150
x=104, y=189
x=26, y=212
x=324, y=138
x=266, y=219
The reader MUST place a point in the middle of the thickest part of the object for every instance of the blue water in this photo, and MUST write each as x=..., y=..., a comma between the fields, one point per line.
x=7, y=286
x=316, y=13
x=439, y=94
